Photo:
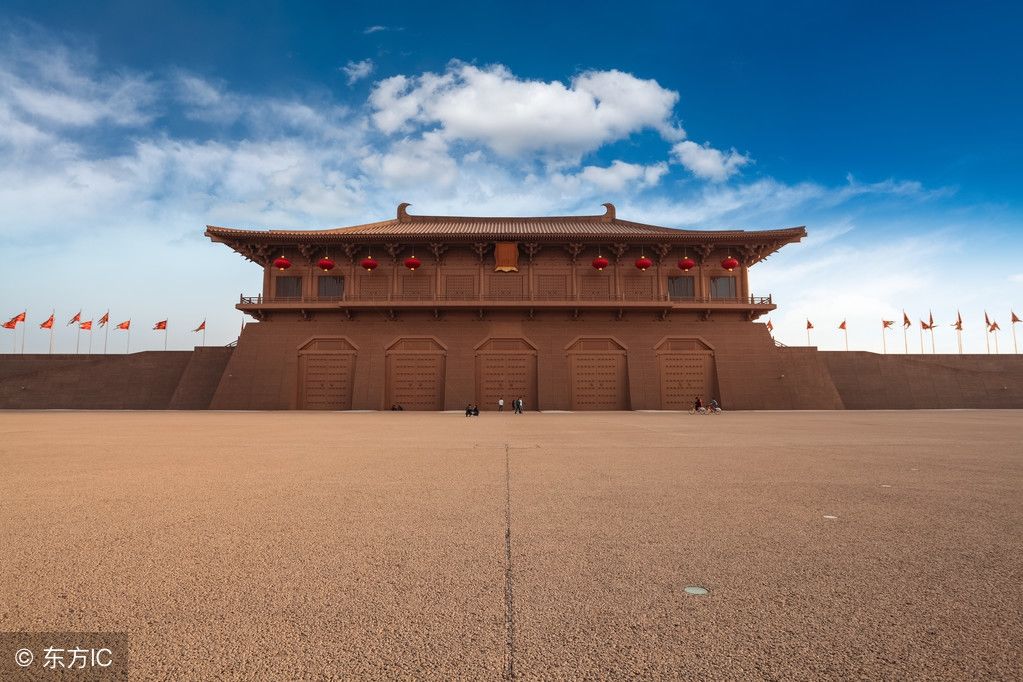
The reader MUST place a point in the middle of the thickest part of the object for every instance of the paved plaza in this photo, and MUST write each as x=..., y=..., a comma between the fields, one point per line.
x=300, y=545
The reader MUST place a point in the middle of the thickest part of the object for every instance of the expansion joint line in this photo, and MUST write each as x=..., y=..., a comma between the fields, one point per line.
x=509, y=595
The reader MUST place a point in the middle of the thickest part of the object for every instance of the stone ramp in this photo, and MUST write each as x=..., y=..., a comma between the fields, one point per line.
x=200, y=379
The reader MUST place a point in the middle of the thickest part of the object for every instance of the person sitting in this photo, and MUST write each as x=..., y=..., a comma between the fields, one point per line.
x=475, y=410
x=714, y=407
x=468, y=410
x=698, y=405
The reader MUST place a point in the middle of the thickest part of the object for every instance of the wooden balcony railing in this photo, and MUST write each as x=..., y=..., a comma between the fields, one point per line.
x=476, y=297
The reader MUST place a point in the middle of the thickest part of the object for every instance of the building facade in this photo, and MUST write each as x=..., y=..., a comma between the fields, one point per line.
x=566, y=313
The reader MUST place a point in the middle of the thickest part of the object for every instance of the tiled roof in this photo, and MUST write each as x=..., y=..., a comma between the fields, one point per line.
x=547, y=228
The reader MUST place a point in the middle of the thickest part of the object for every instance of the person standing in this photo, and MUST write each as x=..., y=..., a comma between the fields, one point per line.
x=500, y=404
x=518, y=405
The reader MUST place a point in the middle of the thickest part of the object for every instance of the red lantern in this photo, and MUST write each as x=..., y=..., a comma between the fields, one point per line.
x=686, y=264
x=325, y=264
x=599, y=263
x=412, y=263
x=282, y=263
x=643, y=263
x=729, y=264
x=369, y=263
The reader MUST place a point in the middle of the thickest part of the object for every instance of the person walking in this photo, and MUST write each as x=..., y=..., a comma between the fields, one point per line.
x=518, y=405
x=500, y=404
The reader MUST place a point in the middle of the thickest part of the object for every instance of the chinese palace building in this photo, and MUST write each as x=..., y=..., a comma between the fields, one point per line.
x=566, y=313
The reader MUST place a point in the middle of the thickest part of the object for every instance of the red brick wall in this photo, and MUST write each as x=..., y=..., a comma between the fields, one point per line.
x=154, y=380
x=751, y=372
x=899, y=382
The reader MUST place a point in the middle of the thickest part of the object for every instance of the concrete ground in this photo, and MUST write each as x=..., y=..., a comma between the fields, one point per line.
x=834, y=545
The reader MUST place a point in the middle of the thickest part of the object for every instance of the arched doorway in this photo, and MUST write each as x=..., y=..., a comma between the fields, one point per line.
x=505, y=368
x=599, y=374
x=415, y=373
x=326, y=369
x=686, y=367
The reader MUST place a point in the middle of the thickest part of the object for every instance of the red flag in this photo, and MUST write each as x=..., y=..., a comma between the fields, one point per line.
x=10, y=324
x=987, y=321
x=959, y=321
x=201, y=327
x=13, y=322
x=905, y=320
x=994, y=327
x=930, y=320
x=20, y=317
x=160, y=325
x=809, y=324
x=76, y=318
x=87, y=325
x=125, y=325
x=887, y=324
x=770, y=327
x=923, y=325
x=103, y=320
x=48, y=324
x=1015, y=318
x=842, y=326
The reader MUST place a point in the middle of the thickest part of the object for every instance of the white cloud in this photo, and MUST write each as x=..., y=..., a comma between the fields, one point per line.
x=356, y=71
x=706, y=162
x=620, y=175
x=42, y=82
x=515, y=117
x=377, y=28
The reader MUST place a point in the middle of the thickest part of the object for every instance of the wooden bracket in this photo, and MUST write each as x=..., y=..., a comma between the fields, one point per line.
x=394, y=251
x=618, y=250
x=438, y=249
x=530, y=249
x=351, y=250
x=703, y=251
x=574, y=249
x=480, y=249
x=662, y=251
x=309, y=252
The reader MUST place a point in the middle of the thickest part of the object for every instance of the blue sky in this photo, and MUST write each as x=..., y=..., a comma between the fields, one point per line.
x=891, y=132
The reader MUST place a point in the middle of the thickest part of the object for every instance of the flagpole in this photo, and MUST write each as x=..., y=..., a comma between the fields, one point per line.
x=921, y=340
x=106, y=334
x=905, y=337
x=90, y=340
x=165, y=336
x=884, y=342
x=846, y=332
x=808, y=337
x=24, y=330
x=53, y=314
x=127, y=345
x=933, y=352
x=996, y=342
x=959, y=339
x=1015, y=348
x=78, y=337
